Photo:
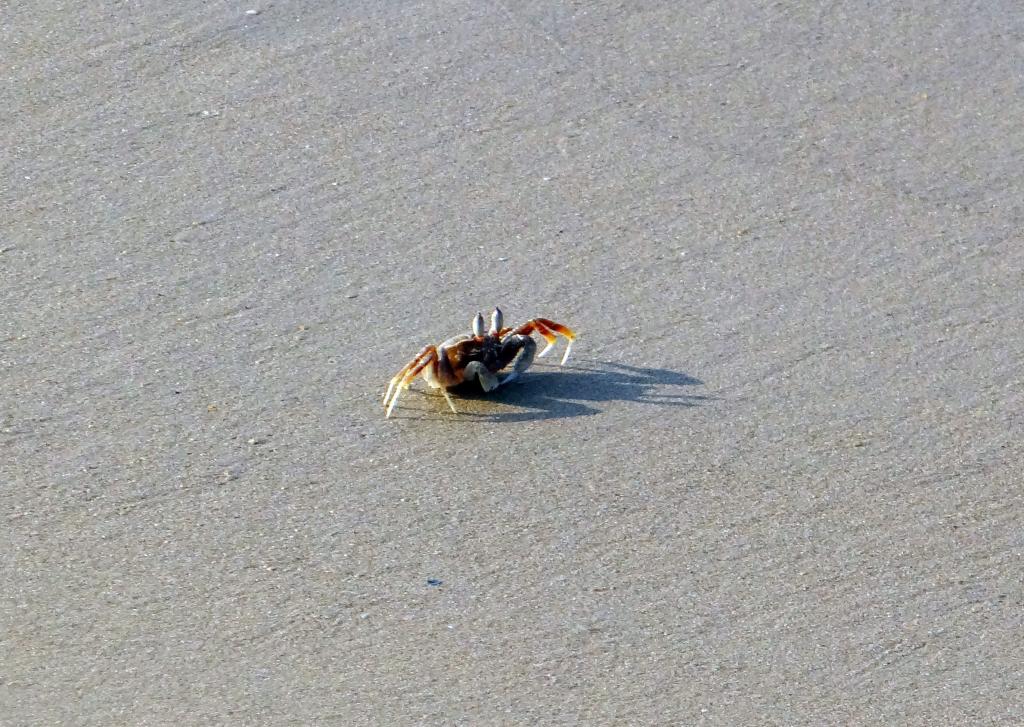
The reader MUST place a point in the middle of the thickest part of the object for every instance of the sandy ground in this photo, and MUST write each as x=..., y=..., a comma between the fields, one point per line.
x=779, y=482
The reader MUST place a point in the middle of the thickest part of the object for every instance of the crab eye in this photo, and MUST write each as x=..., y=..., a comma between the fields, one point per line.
x=496, y=321
x=478, y=325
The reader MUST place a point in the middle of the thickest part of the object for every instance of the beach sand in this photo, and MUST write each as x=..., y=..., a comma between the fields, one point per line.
x=779, y=481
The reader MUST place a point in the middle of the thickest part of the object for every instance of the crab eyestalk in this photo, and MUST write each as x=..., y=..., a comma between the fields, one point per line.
x=496, y=322
x=478, y=325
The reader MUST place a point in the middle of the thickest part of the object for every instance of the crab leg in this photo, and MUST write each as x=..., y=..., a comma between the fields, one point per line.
x=430, y=356
x=550, y=337
x=569, y=334
x=398, y=377
x=547, y=329
x=432, y=363
x=448, y=398
x=431, y=360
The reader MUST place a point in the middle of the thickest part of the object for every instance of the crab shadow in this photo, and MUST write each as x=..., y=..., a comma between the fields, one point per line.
x=574, y=390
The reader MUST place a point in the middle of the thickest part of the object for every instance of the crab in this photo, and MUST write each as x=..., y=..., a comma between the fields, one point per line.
x=480, y=356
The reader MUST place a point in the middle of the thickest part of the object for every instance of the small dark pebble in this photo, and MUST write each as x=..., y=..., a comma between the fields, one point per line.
x=434, y=582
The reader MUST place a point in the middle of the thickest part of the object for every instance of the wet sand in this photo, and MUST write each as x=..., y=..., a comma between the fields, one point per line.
x=779, y=482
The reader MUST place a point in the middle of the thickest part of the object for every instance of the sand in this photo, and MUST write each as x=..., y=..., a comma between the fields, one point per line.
x=779, y=482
